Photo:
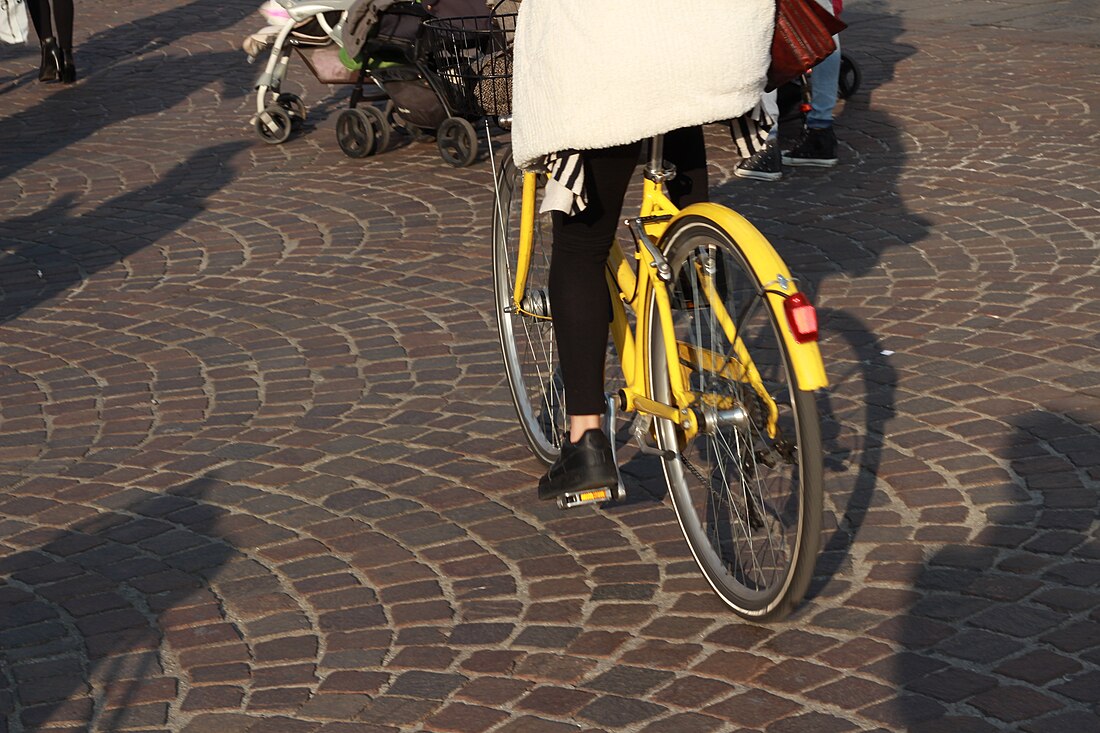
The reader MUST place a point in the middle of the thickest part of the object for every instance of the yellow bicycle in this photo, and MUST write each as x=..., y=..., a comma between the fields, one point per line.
x=719, y=365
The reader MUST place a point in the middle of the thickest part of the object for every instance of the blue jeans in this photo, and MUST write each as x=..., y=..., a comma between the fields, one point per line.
x=824, y=83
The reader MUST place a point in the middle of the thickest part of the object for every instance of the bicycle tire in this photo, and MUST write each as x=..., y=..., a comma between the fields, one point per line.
x=753, y=528
x=527, y=342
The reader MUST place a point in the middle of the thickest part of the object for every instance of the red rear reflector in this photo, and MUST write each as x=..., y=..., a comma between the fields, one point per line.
x=801, y=317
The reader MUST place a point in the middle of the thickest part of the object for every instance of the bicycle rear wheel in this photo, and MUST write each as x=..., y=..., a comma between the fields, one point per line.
x=748, y=501
x=526, y=331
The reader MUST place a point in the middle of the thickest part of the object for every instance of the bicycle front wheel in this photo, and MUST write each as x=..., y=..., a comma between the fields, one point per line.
x=526, y=331
x=747, y=489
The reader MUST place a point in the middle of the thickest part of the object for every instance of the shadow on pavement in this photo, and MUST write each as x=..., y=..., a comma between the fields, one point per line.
x=93, y=601
x=836, y=224
x=1006, y=628
x=124, y=72
x=50, y=251
x=869, y=373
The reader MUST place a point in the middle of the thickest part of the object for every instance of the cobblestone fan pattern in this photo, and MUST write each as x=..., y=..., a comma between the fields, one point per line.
x=261, y=473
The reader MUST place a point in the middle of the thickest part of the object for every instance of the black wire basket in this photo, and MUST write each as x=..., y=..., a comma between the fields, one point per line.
x=471, y=58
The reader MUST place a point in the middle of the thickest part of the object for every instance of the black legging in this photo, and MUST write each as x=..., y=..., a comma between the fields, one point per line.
x=43, y=26
x=582, y=242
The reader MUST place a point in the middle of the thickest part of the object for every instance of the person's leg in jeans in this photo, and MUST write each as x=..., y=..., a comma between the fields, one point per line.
x=817, y=145
x=823, y=93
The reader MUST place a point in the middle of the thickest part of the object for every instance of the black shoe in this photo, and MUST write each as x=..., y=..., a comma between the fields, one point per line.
x=814, y=148
x=51, y=60
x=764, y=165
x=586, y=464
x=66, y=67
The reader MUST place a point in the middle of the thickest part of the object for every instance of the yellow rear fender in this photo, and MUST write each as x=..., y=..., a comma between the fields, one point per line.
x=773, y=275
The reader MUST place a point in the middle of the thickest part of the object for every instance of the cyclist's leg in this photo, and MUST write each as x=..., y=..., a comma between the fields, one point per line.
x=578, y=290
x=581, y=310
x=687, y=151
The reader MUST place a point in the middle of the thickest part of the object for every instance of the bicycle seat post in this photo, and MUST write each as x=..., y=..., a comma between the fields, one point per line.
x=657, y=169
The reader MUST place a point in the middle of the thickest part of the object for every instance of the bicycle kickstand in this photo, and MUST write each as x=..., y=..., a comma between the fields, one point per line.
x=604, y=494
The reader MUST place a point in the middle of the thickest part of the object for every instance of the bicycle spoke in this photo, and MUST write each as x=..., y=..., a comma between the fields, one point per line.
x=745, y=512
x=527, y=338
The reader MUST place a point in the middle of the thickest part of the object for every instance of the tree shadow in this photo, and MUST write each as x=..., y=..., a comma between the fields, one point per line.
x=49, y=251
x=1005, y=632
x=87, y=605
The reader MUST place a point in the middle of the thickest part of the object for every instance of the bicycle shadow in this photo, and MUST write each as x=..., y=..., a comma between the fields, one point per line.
x=854, y=411
x=91, y=607
x=48, y=252
x=1012, y=614
x=833, y=226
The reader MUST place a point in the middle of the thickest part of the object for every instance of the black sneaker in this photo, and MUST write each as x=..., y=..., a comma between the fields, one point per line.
x=764, y=165
x=814, y=148
x=586, y=464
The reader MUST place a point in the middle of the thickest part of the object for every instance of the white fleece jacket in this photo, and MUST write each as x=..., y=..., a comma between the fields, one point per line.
x=594, y=73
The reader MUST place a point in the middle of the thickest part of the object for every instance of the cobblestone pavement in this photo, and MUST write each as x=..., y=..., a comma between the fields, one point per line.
x=260, y=470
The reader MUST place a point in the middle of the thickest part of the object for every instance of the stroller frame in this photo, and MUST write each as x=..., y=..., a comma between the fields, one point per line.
x=279, y=113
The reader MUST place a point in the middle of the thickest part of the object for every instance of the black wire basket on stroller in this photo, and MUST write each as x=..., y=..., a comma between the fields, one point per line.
x=456, y=73
x=469, y=62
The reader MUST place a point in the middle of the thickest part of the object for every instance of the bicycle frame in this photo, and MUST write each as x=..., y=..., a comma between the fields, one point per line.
x=634, y=286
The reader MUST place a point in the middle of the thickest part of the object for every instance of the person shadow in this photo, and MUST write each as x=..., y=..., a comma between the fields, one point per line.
x=48, y=252
x=1004, y=632
x=124, y=71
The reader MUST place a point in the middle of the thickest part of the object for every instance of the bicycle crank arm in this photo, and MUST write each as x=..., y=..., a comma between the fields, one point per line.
x=640, y=427
x=591, y=496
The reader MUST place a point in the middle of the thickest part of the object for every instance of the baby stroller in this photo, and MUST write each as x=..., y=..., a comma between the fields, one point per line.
x=451, y=71
x=312, y=29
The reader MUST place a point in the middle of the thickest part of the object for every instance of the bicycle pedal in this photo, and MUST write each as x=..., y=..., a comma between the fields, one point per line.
x=591, y=496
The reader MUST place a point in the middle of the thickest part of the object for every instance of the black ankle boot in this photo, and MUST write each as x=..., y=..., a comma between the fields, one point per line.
x=68, y=70
x=51, y=60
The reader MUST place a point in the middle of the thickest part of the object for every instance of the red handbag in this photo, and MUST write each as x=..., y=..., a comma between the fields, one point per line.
x=803, y=38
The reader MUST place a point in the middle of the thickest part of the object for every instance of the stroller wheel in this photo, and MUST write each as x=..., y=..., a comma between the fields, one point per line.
x=381, y=129
x=273, y=125
x=850, y=77
x=355, y=133
x=294, y=106
x=457, y=142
